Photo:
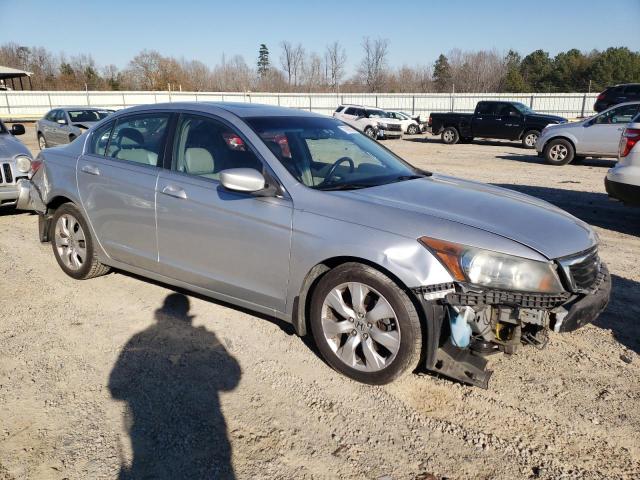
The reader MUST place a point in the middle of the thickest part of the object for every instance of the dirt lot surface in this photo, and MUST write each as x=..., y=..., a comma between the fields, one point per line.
x=93, y=371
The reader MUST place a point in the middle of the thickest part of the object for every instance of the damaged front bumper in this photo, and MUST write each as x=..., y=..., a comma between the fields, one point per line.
x=503, y=320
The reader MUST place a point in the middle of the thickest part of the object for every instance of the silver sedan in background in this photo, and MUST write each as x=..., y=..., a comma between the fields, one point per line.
x=302, y=217
x=65, y=124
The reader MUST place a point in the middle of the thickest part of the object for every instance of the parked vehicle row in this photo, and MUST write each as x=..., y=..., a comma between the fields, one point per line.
x=623, y=180
x=628, y=92
x=271, y=209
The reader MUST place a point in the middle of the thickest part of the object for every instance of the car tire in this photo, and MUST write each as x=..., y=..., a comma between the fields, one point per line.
x=73, y=245
x=42, y=142
x=372, y=341
x=450, y=136
x=370, y=132
x=530, y=138
x=412, y=129
x=559, y=152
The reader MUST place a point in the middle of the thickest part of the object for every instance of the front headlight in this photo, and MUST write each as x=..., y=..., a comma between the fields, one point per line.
x=493, y=269
x=23, y=163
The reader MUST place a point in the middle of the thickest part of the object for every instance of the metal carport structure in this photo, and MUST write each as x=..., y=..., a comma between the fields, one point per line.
x=8, y=73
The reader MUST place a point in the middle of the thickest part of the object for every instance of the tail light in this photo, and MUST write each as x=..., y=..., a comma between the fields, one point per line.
x=601, y=96
x=35, y=166
x=430, y=122
x=630, y=137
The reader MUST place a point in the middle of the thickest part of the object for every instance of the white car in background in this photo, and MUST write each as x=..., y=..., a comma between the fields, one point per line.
x=410, y=125
x=597, y=136
x=623, y=181
x=373, y=122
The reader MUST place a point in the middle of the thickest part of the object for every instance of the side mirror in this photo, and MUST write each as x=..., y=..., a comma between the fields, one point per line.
x=17, y=129
x=513, y=114
x=61, y=121
x=242, y=180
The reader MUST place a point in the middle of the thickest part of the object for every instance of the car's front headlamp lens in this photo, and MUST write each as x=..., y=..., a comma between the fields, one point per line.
x=494, y=269
x=23, y=163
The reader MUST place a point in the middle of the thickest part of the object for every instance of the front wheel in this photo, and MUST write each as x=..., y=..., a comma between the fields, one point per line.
x=364, y=325
x=450, y=136
x=73, y=245
x=530, y=138
x=42, y=142
x=559, y=152
x=412, y=129
x=370, y=132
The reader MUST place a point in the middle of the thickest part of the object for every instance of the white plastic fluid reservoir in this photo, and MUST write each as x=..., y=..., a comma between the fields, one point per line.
x=460, y=328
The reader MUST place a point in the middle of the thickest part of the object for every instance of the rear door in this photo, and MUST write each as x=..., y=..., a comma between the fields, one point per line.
x=351, y=115
x=117, y=179
x=60, y=131
x=48, y=127
x=233, y=243
x=602, y=135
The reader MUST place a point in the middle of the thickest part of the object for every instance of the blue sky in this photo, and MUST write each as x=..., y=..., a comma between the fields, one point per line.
x=113, y=31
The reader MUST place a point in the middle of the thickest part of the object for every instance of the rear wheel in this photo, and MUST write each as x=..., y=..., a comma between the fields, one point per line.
x=450, y=136
x=559, y=152
x=42, y=142
x=530, y=138
x=364, y=325
x=72, y=244
x=412, y=129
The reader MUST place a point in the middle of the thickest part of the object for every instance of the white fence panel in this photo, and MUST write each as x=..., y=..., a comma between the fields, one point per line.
x=32, y=105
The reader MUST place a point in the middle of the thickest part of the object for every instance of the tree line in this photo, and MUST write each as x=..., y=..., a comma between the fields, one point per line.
x=295, y=69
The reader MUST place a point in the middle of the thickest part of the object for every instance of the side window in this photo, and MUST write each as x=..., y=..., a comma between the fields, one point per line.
x=61, y=116
x=633, y=90
x=205, y=147
x=339, y=109
x=622, y=114
x=51, y=116
x=487, y=108
x=100, y=139
x=139, y=139
x=350, y=111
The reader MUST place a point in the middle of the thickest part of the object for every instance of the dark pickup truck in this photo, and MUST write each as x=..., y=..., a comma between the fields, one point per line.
x=492, y=119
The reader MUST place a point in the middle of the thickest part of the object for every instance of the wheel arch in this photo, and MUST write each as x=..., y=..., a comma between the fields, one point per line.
x=561, y=137
x=302, y=302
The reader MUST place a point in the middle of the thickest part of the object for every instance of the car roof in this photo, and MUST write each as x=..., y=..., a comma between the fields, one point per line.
x=82, y=107
x=361, y=106
x=239, y=109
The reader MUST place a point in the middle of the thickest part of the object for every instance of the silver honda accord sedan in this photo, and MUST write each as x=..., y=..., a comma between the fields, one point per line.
x=302, y=217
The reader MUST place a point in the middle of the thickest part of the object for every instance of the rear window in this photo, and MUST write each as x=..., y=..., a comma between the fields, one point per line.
x=632, y=90
x=339, y=109
x=486, y=108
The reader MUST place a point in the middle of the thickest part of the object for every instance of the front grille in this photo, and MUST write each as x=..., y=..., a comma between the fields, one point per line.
x=582, y=270
x=394, y=128
x=6, y=170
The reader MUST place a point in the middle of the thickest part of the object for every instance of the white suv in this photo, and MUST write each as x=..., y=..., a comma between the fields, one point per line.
x=373, y=122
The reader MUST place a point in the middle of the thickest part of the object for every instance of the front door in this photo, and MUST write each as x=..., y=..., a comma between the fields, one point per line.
x=602, y=134
x=117, y=178
x=232, y=243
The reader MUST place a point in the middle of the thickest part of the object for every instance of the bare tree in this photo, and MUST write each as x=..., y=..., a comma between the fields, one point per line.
x=313, y=72
x=373, y=67
x=335, y=61
x=292, y=61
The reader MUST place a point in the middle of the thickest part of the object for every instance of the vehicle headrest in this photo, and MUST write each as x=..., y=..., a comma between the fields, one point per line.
x=198, y=161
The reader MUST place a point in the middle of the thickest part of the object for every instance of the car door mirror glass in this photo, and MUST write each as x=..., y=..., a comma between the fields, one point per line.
x=242, y=180
x=17, y=129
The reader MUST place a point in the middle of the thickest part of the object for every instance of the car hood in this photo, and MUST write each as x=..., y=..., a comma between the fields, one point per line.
x=532, y=222
x=11, y=146
x=546, y=118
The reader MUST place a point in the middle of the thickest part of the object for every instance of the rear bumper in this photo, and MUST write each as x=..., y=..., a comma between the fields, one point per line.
x=625, y=192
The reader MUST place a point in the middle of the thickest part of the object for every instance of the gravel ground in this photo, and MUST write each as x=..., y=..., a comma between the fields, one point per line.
x=93, y=371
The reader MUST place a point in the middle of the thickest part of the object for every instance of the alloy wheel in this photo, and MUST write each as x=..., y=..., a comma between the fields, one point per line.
x=42, y=143
x=448, y=136
x=531, y=139
x=558, y=152
x=70, y=242
x=360, y=327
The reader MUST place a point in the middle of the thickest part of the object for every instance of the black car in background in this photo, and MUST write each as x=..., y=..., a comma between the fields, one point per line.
x=492, y=119
x=627, y=92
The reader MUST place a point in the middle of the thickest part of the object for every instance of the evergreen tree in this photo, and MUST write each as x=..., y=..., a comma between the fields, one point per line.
x=513, y=81
x=536, y=69
x=442, y=74
x=263, y=61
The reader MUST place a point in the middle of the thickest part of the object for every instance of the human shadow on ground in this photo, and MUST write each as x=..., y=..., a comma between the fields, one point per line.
x=592, y=207
x=621, y=316
x=170, y=376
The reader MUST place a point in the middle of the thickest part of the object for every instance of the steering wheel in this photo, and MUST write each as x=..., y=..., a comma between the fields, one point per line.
x=333, y=168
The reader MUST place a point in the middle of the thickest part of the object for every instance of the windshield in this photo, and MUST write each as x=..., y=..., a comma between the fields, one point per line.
x=326, y=154
x=522, y=108
x=88, y=115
